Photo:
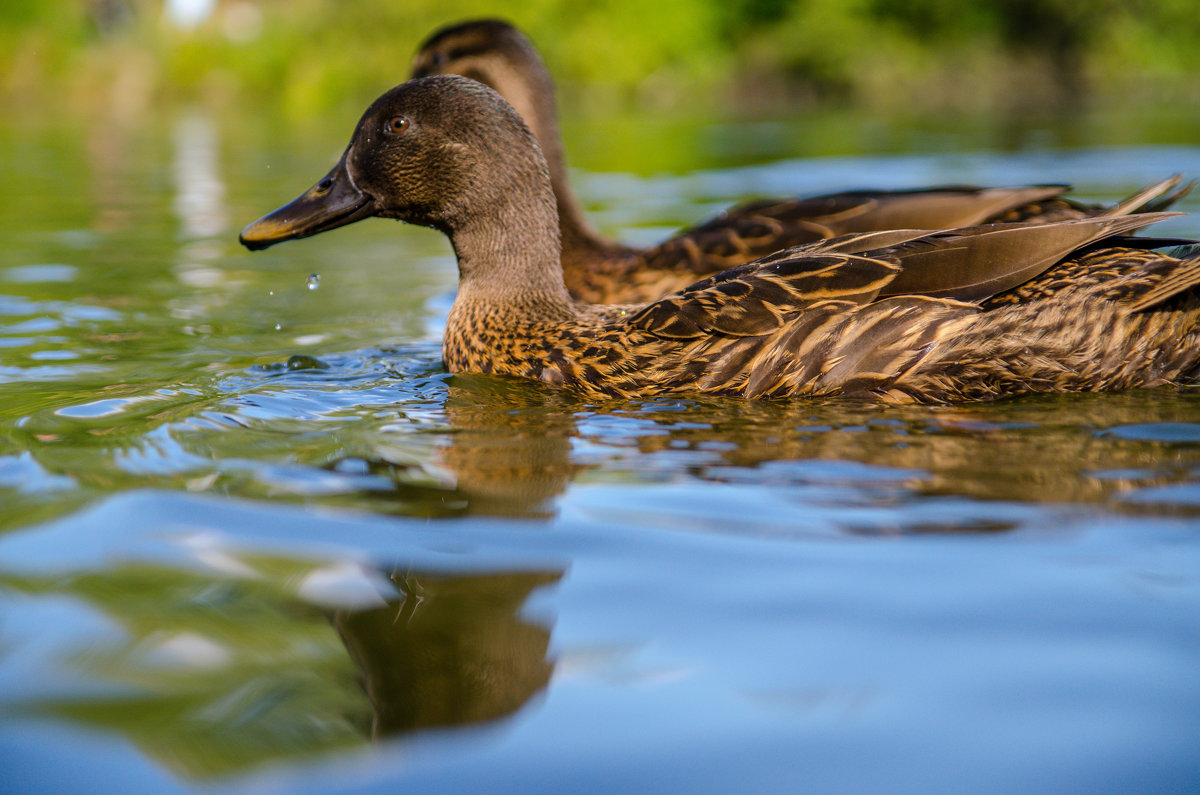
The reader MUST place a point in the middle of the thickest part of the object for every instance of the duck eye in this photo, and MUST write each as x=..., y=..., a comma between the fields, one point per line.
x=397, y=124
x=439, y=59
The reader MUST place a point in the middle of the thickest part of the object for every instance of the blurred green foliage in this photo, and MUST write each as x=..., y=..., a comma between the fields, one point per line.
x=308, y=56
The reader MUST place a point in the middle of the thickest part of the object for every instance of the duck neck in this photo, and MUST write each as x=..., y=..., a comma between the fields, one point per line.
x=531, y=93
x=509, y=260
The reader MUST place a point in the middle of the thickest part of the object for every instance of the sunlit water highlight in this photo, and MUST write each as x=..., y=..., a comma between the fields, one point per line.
x=253, y=536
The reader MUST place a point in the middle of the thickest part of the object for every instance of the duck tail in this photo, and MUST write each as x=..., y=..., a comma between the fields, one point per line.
x=1182, y=278
x=1154, y=198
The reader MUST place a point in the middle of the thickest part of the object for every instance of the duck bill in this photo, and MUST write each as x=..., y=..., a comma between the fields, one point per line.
x=334, y=201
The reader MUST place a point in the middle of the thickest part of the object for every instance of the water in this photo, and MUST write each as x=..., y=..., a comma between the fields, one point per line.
x=254, y=538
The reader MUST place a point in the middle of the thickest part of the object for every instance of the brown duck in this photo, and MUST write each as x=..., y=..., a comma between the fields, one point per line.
x=598, y=270
x=965, y=314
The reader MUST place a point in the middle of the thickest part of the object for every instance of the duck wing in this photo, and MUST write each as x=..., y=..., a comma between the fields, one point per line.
x=759, y=297
x=1155, y=197
x=761, y=227
x=950, y=206
x=976, y=263
x=941, y=207
x=968, y=264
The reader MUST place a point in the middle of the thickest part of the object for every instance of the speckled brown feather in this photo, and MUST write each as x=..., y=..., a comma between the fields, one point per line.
x=597, y=270
x=901, y=349
x=1074, y=335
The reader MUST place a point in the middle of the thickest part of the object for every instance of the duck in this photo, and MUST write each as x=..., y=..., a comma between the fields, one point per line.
x=899, y=316
x=599, y=270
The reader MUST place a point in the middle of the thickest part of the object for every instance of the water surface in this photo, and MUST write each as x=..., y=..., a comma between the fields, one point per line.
x=255, y=538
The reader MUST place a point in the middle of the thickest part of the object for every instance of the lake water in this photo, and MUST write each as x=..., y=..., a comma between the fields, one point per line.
x=254, y=538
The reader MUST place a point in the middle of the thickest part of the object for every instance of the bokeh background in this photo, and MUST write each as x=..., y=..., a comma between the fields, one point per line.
x=309, y=56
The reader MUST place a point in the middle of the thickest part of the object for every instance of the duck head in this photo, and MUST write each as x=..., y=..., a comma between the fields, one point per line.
x=441, y=151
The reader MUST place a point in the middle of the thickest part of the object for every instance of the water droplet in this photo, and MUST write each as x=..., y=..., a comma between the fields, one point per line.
x=278, y=326
x=314, y=281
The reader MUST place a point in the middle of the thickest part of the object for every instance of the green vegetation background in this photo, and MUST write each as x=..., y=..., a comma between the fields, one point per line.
x=309, y=56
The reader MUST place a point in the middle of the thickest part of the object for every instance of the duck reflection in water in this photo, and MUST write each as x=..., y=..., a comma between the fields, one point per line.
x=220, y=672
x=514, y=449
x=455, y=651
x=958, y=451
x=510, y=451
x=506, y=453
